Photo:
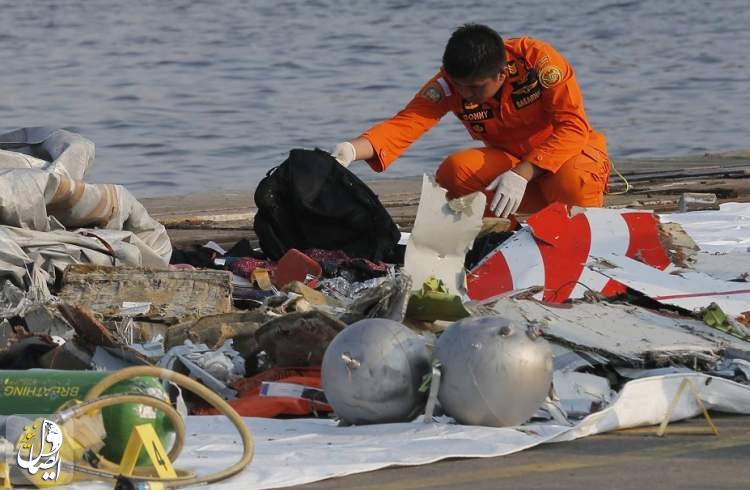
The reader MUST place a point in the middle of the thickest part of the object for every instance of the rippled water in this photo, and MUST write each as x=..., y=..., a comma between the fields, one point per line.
x=183, y=96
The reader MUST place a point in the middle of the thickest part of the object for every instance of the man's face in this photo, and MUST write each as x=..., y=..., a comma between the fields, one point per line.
x=479, y=90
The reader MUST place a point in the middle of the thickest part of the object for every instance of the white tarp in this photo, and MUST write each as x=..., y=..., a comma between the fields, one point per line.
x=53, y=150
x=293, y=452
x=723, y=237
x=723, y=231
x=44, y=203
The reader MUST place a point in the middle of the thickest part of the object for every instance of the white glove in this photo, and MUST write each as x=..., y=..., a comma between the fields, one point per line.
x=509, y=188
x=344, y=153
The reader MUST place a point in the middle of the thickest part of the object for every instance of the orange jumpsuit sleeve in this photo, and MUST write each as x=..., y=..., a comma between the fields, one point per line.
x=393, y=136
x=562, y=99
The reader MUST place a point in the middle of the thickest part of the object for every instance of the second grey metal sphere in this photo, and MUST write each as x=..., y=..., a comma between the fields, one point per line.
x=494, y=373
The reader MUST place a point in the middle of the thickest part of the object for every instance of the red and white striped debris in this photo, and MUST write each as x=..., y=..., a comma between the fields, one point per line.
x=687, y=289
x=553, y=250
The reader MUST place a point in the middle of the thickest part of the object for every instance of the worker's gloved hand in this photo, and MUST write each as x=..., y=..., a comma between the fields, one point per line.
x=344, y=153
x=509, y=188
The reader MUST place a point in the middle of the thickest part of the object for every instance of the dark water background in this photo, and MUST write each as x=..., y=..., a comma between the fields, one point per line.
x=185, y=96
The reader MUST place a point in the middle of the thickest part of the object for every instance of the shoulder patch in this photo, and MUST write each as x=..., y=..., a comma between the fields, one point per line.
x=549, y=76
x=541, y=62
x=432, y=93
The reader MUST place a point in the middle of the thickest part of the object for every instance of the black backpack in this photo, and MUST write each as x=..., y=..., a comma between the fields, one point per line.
x=312, y=201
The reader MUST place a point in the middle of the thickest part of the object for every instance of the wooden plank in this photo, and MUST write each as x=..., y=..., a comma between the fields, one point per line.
x=172, y=294
x=725, y=173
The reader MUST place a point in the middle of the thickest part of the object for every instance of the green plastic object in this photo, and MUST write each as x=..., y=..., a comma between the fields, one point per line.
x=44, y=391
x=434, y=302
x=714, y=316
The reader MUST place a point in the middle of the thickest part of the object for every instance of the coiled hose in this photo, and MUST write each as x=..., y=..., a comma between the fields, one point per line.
x=143, y=479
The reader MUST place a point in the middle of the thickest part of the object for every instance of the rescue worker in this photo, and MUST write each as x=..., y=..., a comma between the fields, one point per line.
x=520, y=97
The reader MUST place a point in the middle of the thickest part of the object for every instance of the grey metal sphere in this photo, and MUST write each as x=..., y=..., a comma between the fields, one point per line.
x=372, y=371
x=494, y=373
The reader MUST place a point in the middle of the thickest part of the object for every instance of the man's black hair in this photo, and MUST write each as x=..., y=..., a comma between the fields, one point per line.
x=474, y=51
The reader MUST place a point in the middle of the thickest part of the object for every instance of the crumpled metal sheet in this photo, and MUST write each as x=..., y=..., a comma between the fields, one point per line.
x=625, y=333
x=686, y=289
x=13, y=301
x=582, y=393
x=213, y=368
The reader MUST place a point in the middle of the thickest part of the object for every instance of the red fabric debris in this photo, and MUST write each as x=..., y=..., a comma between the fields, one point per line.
x=251, y=404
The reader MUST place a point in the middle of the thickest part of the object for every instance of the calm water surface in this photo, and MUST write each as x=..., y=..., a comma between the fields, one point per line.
x=185, y=96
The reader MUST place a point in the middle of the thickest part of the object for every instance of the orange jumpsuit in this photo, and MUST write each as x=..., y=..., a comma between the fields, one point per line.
x=537, y=116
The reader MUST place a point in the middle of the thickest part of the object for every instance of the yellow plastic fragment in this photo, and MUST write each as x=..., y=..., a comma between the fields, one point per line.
x=144, y=437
